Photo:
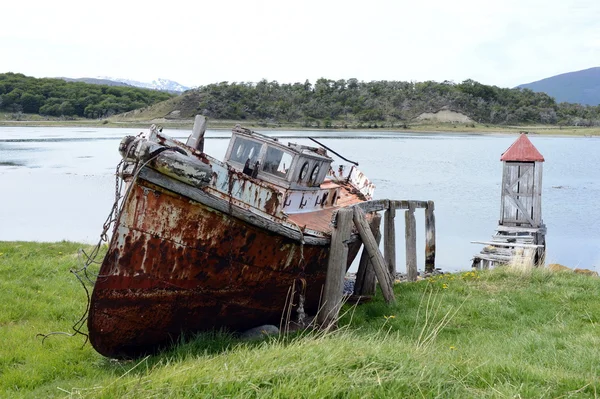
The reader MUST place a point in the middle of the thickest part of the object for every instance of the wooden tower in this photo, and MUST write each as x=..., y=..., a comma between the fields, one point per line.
x=521, y=198
x=520, y=235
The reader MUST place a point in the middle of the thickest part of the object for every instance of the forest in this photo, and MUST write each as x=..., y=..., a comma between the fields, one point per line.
x=326, y=103
x=56, y=97
x=386, y=102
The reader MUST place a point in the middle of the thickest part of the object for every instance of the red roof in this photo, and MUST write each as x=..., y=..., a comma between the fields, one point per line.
x=522, y=150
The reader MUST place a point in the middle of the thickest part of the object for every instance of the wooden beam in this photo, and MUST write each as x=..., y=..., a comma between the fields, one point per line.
x=389, y=241
x=405, y=204
x=376, y=257
x=411, y=244
x=366, y=280
x=517, y=229
x=429, y=238
x=336, y=269
x=373, y=205
x=512, y=196
x=196, y=139
x=507, y=244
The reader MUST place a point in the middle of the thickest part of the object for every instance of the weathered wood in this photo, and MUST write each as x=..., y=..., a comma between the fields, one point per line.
x=405, y=204
x=336, y=269
x=507, y=244
x=196, y=139
x=411, y=244
x=537, y=192
x=518, y=229
x=374, y=205
x=389, y=241
x=430, y=237
x=496, y=258
x=366, y=279
x=376, y=257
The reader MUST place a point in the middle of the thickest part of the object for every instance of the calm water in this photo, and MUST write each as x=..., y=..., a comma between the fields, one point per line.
x=58, y=183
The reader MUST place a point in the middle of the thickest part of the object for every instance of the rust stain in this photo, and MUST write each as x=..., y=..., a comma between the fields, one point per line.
x=183, y=267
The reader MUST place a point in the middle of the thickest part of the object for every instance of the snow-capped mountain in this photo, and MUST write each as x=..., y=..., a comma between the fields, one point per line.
x=158, y=84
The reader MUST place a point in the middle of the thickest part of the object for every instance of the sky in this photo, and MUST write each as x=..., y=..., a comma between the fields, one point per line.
x=198, y=42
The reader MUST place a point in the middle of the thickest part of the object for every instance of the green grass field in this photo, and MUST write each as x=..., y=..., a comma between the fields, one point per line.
x=496, y=334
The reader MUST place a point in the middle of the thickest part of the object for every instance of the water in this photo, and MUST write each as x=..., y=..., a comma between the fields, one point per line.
x=58, y=184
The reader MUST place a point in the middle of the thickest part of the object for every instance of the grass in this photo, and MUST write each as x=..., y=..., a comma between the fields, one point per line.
x=493, y=334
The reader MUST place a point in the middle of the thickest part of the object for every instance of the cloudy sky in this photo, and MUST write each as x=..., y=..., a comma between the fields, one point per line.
x=196, y=42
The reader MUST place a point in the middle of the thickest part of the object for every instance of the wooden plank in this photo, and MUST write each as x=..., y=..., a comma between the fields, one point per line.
x=507, y=244
x=517, y=229
x=522, y=214
x=373, y=205
x=196, y=139
x=389, y=241
x=336, y=269
x=405, y=204
x=526, y=189
x=366, y=279
x=495, y=258
x=537, y=192
x=376, y=257
x=411, y=244
x=429, y=238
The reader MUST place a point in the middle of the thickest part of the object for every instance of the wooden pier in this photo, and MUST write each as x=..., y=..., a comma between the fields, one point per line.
x=520, y=235
x=374, y=266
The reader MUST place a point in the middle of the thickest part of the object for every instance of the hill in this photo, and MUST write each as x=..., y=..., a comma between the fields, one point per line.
x=355, y=104
x=580, y=87
x=159, y=84
x=56, y=97
x=95, y=81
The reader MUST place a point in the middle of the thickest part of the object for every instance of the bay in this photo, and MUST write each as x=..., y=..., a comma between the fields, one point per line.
x=58, y=183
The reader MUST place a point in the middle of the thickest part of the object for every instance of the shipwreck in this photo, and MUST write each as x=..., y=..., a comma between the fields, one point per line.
x=200, y=243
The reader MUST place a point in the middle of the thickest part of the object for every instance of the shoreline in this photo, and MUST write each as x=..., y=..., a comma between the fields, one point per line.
x=446, y=128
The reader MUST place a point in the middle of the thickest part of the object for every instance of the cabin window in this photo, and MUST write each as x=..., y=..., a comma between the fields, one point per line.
x=277, y=162
x=303, y=171
x=314, y=174
x=244, y=150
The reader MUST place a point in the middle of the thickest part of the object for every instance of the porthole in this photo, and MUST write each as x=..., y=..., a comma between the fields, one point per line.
x=314, y=174
x=240, y=151
x=303, y=171
x=252, y=152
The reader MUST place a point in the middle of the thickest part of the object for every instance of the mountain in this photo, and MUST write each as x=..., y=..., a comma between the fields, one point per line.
x=95, y=81
x=581, y=87
x=158, y=84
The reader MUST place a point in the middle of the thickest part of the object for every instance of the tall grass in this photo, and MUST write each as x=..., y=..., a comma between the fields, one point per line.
x=502, y=333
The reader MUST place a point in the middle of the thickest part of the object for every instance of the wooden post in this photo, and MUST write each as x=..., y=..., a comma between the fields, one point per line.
x=389, y=240
x=365, y=276
x=376, y=257
x=411, y=243
x=336, y=269
x=429, y=238
x=196, y=139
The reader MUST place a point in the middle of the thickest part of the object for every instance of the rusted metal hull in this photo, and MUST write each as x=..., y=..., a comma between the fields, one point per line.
x=176, y=266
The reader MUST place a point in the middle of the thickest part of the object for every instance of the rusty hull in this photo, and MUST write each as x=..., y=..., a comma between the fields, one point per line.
x=176, y=266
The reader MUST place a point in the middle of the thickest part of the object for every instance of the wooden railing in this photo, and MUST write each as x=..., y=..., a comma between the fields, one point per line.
x=374, y=266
